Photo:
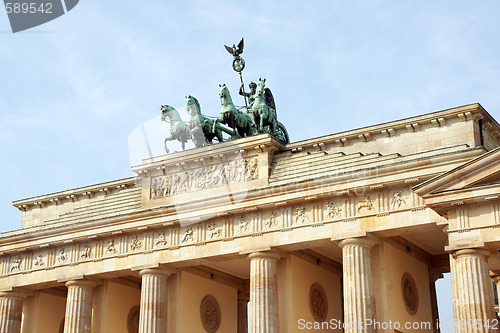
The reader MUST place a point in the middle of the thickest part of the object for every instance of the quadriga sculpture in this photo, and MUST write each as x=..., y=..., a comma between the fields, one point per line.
x=179, y=130
x=203, y=129
x=240, y=121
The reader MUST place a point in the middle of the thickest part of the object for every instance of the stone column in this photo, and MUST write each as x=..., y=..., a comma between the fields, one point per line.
x=243, y=298
x=78, y=317
x=153, y=313
x=11, y=310
x=433, y=277
x=473, y=303
x=359, y=299
x=496, y=279
x=264, y=292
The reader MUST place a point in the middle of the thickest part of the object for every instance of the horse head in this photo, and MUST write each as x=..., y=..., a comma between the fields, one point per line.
x=165, y=110
x=192, y=105
x=225, y=96
x=260, y=87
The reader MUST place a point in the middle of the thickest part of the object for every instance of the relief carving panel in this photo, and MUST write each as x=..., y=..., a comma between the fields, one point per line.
x=210, y=176
x=409, y=293
x=210, y=314
x=318, y=303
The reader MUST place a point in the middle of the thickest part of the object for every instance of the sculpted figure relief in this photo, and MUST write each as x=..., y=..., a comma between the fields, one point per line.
x=397, y=200
x=62, y=257
x=367, y=204
x=301, y=216
x=333, y=211
x=243, y=224
x=273, y=220
x=188, y=235
x=16, y=264
x=210, y=314
x=86, y=253
x=39, y=261
x=235, y=171
x=110, y=247
x=162, y=239
x=136, y=244
x=213, y=231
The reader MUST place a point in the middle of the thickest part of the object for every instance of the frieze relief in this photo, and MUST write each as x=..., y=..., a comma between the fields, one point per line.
x=398, y=200
x=135, y=243
x=39, y=260
x=62, y=256
x=160, y=238
x=333, y=210
x=206, y=177
x=187, y=236
x=213, y=231
x=86, y=252
x=16, y=264
x=366, y=206
x=301, y=216
x=243, y=224
x=224, y=227
x=272, y=221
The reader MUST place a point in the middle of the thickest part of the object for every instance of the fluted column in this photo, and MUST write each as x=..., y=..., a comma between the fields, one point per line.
x=11, y=310
x=496, y=279
x=243, y=298
x=153, y=313
x=359, y=300
x=264, y=292
x=473, y=303
x=78, y=318
x=433, y=277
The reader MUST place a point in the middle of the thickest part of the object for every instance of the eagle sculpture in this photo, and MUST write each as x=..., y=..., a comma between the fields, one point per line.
x=235, y=50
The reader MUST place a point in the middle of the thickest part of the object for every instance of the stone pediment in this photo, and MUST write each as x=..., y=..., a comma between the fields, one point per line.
x=478, y=179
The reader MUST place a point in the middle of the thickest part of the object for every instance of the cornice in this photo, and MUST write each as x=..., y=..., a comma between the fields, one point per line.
x=73, y=194
x=438, y=119
x=446, y=181
x=391, y=174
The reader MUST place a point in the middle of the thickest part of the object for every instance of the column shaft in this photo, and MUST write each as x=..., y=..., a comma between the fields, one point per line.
x=473, y=293
x=78, y=317
x=433, y=276
x=359, y=300
x=11, y=310
x=264, y=292
x=153, y=313
x=243, y=298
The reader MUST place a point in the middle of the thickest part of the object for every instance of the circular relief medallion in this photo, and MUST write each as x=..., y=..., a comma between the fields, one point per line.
x=210, y=314
x=409, y=293
x=133, y=319
x=318, y=303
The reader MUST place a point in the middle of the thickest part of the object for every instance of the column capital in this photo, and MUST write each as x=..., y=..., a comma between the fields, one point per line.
x=264, y=255
x=482, y=253
x=243, y=296
x=435, y=275
x=81, y=283
x=157, y=271
x=360, y=241
x=14, y=294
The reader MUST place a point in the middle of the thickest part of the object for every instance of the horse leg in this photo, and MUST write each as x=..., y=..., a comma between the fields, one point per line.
x=219, y=136
x=165, y=144
x=263, y=116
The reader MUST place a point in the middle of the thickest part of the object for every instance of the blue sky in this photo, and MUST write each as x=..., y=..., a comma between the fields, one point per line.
x=73, y=90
